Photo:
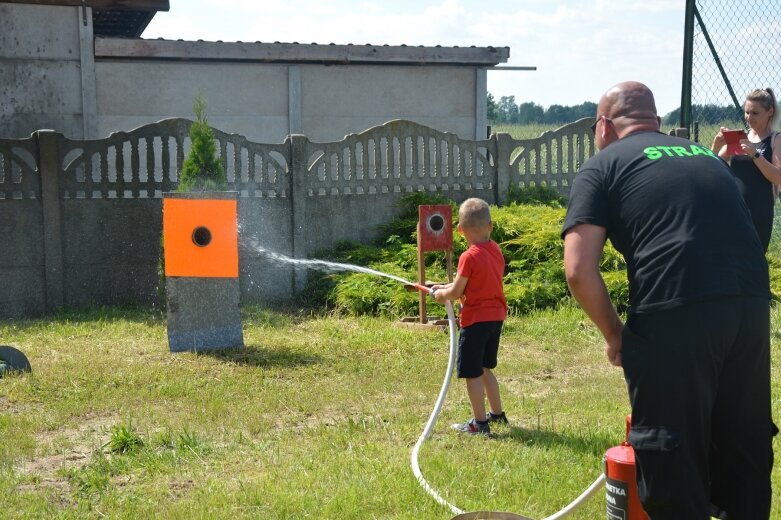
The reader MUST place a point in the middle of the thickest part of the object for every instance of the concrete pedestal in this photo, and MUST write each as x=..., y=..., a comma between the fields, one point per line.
x=203, y=314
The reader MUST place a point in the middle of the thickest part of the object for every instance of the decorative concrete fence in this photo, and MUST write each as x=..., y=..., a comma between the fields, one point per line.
x=81, y=220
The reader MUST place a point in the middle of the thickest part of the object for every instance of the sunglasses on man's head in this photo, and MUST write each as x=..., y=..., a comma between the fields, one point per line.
x=594, y=126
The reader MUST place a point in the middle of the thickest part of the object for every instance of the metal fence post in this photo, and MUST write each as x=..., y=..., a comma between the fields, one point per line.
x=686, y=78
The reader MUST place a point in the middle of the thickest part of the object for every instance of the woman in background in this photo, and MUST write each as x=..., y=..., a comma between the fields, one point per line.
x=758, y=169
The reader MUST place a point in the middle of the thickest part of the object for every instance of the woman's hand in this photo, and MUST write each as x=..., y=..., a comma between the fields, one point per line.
x=748, y=147
x=718, y=140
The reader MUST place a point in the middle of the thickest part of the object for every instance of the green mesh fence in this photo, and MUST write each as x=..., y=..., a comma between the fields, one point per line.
x=736, y=48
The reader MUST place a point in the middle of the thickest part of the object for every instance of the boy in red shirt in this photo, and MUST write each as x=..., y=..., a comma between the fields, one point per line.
x=478, y=284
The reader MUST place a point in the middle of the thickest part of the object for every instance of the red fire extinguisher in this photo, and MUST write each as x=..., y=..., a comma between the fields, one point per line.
x=620, y=484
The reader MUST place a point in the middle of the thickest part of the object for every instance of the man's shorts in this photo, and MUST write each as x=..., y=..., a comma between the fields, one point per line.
x=478, y=346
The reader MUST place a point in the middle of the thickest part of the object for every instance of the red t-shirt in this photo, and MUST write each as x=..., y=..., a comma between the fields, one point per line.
x=483, y=299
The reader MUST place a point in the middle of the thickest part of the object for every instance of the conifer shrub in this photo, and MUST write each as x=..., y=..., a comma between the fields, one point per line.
x=537, y=194
x=774, y=263
x=528, y=234
x=202, y=170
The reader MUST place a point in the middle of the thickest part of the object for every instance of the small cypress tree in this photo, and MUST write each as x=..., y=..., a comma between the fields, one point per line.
x=202, y=170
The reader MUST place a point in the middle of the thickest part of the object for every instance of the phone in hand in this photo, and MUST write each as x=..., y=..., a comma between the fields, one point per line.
x=732, y=138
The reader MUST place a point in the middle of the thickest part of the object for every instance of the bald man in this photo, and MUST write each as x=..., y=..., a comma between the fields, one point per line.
x=695, y=348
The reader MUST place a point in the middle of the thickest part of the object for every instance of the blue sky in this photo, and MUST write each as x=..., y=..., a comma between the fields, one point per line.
x=580, y=47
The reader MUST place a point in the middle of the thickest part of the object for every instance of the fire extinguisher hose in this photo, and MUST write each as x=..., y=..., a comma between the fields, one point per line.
x=572, y=506
x=432, y=420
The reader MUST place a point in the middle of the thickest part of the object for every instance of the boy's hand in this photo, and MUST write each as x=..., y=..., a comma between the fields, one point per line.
x=450, y=291
x=438, y=293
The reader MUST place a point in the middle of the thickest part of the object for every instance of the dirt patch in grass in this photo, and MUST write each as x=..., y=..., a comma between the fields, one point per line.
x=63, y=449
x=10, y=407
x=180, y=488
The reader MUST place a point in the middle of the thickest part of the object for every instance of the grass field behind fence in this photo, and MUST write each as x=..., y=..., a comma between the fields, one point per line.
x=530, y=131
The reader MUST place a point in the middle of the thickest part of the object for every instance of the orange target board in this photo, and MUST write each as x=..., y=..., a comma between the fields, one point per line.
x=200, y=238
x=435, y=227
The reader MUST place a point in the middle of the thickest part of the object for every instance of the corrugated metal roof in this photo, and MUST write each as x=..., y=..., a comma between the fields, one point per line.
x=120, y=23
x=123, y=18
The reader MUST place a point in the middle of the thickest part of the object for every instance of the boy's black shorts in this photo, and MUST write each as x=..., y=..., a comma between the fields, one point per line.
x=477, y=348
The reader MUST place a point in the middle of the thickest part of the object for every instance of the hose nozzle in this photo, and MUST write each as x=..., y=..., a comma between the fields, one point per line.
x=422, y=288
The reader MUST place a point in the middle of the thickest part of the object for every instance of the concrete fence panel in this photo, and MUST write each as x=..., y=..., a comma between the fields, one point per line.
x=22, y=275
x=82, y=219
x=553, y=158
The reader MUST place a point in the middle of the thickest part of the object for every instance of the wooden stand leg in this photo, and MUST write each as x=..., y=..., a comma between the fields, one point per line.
x=422, y=280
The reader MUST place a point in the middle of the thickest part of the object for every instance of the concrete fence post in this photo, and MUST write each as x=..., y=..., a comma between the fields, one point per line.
x=52, y=219
x=298, y=196
x=504, y=150
x=680, y=132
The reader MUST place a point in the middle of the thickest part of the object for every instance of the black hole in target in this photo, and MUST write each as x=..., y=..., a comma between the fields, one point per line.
x=202, y=236
x=436, y=222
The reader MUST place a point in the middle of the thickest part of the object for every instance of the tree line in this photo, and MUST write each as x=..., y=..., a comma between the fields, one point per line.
x=708, y=114
x=508, y=111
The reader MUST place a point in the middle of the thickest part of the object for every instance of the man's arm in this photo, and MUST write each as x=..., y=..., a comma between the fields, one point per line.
x=583, y=246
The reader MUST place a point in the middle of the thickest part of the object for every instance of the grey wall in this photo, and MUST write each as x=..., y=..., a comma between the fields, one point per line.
x=255, y=99
x=40, y=70
x=250, y=100
x=338, y=100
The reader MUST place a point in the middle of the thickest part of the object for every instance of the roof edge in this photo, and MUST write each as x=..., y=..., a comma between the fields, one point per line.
x=135, y=48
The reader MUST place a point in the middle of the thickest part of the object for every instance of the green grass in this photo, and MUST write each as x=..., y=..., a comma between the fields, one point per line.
x=315, y=418
x=529, y=131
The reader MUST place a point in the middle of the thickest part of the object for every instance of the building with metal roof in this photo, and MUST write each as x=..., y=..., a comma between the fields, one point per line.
x=81, y=68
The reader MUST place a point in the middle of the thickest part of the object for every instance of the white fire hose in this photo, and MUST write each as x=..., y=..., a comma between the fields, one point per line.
x=593, y=488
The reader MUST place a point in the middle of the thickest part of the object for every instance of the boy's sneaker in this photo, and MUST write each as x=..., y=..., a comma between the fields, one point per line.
x=472, y=426
x=497, y=418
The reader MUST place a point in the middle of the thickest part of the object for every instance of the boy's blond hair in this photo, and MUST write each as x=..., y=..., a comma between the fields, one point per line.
x=474, y=213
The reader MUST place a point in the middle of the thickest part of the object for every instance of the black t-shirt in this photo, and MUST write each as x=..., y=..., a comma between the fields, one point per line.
x=757, y=191
x=673, y=210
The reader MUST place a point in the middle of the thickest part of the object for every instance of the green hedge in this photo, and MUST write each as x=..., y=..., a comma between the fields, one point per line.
x=527, y=232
